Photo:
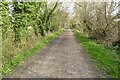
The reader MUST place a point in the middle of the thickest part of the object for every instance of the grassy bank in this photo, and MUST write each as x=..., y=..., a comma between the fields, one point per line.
x=105, y=59
x=20, y=58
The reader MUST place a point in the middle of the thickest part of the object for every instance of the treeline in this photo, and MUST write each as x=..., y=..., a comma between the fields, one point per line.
x=98, y=20
x=26, y=23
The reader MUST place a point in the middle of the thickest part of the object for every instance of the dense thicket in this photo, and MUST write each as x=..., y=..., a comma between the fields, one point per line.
x=25, y=23
x=97, y=20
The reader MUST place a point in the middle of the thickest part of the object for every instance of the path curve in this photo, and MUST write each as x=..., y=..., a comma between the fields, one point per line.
x=61, y=58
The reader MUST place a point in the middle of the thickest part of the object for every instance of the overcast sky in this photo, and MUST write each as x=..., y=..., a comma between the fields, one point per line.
x=69, y=4
x=69, y=7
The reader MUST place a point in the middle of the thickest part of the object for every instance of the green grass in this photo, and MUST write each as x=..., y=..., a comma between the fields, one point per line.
x=105, y=59
x=19, y=59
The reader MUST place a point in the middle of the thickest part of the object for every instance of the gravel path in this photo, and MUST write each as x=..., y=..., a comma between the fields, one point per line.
x=61, y=58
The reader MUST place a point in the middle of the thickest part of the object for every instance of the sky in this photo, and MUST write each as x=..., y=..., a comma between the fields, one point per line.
x=64, y=0
x=68, y=5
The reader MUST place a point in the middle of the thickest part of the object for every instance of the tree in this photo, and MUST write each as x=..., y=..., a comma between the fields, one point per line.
x=96, y=20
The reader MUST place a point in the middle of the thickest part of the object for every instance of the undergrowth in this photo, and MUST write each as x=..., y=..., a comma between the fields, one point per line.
x=20, y=58
x=105, y=59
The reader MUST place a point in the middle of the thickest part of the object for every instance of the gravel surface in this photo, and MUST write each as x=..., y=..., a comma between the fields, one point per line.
x=61, y=58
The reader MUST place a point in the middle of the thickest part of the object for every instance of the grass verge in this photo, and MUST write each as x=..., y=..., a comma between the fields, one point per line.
x=19, y=59
x=105, y=59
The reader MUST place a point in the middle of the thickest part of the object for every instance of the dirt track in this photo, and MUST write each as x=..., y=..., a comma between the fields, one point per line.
x=61, y=58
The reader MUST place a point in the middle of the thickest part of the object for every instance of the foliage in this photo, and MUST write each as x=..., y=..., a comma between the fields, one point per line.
x=4, y=18
x=105, y=59
x=97, y=21
x=23, y=27
x=19, y=59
